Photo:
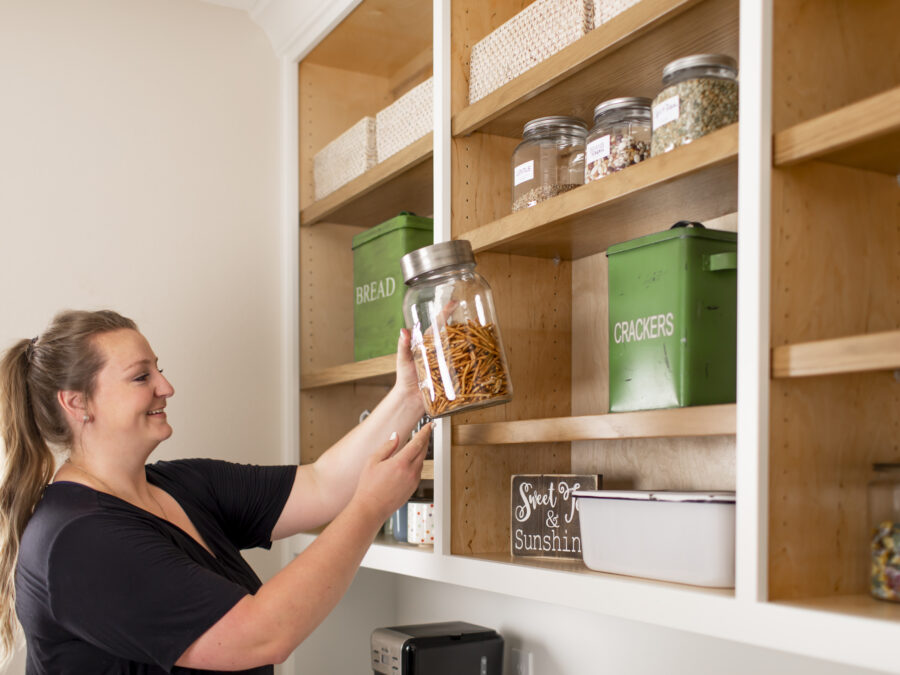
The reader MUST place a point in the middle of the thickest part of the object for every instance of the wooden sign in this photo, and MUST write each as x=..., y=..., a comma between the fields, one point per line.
x=543, y=518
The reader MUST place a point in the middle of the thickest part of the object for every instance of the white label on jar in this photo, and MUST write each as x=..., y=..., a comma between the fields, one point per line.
x=524, y=172
x=597, y=149
x=665, y=112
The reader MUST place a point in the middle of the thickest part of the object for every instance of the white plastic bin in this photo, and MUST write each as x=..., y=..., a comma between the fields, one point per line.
x=686, y=537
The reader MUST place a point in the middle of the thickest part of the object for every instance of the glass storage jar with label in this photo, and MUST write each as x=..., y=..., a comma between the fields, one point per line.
x=700, y=95
x=620, y=137
x=884, y=518
x=456, y=344
x=548, y=161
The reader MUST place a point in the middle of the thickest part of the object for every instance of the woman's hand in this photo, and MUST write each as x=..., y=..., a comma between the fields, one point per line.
x=391, y=476
x=407, y=380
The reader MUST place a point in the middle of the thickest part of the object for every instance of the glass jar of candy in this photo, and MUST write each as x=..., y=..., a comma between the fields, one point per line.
x=884, y=519
x=620, y=137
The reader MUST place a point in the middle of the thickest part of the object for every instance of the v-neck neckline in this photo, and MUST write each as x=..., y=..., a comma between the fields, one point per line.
x=203, y=546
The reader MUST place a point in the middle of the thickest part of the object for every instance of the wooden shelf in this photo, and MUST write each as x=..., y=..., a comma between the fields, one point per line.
x=428, y=470
x=854, y=354
x=713, y=420
x=862, y=606
x=864, y=135
x=700, y=178
x=623, y=57
x=402, y=182
x=378, y=370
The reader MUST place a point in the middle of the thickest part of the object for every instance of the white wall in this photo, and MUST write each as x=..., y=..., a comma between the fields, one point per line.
x=139, y=170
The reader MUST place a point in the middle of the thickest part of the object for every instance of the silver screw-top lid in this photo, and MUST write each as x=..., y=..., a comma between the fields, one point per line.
x=700, y=60
x=559, y=121
x=435, y=257
x=620, y=103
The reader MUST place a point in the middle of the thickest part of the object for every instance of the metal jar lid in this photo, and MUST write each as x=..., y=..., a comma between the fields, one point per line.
x=699, y=61
x=558, y=121
x=619, y=103
x=435, y=257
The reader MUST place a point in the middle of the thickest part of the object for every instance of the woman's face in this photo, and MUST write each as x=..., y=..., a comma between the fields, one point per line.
x=130, y=395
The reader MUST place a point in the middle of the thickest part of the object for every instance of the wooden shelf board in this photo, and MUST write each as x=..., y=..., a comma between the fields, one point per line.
x=857, y=353
x=402, y=182
x=379, y=37
x=694, y=182
x=388, y=541
x=624, y=56
x=864, y=135
x=379, y=369
x=428, y=470
x=713, y=420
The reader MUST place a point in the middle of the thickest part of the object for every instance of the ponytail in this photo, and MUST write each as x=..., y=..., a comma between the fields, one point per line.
x=32, y=372
x=27, y=467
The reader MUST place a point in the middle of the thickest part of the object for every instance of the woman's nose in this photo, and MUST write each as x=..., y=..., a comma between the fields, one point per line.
x=164, y=388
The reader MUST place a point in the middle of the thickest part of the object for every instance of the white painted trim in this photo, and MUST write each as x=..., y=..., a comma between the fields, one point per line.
x=754, y=216
x=312, y=27
x=441, y=184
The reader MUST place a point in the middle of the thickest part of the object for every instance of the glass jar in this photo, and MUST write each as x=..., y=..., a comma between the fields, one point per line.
x=548, y=161
x=456, y=344
x=884, y=518
x=700, y=95
x=620, y=137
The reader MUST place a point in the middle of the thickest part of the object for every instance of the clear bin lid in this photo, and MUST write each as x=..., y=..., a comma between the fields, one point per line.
x=715, y=496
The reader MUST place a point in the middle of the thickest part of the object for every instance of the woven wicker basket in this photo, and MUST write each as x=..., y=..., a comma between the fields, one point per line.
x=349, y=155
x=537, y=32
x=604, y=10
x=405, y=120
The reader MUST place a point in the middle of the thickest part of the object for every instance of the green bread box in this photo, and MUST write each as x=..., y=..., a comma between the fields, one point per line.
x=378, y=283
x=673, y=319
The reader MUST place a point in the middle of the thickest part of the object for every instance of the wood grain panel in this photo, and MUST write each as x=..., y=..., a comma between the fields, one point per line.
x=623, y=57
x=381, y=368
x=693, y=421
x=830, y=53
x=865, y=135
x=481, y=179
x=328, y=413
x=326, y=296
x=331, y=101
x=379, y=37
x=856, y=353
x=835, y=272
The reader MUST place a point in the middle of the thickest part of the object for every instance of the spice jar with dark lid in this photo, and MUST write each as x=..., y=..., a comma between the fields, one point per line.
x=455, y=337
x=548, y=161
x=700, y=95
x=884, y=520
x=620, y=137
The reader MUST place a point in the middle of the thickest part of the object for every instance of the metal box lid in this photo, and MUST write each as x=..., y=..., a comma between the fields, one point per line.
x=681, y=230
x=713, y=496
x=404, y=220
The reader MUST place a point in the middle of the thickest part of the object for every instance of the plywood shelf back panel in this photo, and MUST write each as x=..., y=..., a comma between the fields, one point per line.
x=712, y=420
x=864, y=135
x=695, y=182
x=853, y=354
x=624, y=56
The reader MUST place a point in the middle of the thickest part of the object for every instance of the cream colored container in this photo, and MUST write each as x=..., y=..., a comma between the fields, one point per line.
x=686, y=537
x=347, y=157
x=405, y=120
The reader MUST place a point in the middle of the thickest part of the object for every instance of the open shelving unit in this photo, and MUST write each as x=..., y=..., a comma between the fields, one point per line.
x=829, y=267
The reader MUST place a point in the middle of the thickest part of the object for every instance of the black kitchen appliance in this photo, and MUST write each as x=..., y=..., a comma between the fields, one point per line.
x=448, y=648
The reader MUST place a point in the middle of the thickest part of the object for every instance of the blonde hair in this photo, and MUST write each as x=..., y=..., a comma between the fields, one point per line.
x=31, y=374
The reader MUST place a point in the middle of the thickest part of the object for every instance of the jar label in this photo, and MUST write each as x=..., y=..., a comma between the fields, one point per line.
x=665, y=112
x=597, y=149
x=524, y=172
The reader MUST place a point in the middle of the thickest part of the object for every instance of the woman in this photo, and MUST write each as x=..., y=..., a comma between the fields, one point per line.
x=116, y=566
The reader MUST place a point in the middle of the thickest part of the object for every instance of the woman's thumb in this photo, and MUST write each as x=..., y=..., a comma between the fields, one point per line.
x=387, y=448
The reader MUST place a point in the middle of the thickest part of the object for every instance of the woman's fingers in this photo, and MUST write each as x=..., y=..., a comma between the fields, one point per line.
x=386, y=449
x=415, y=449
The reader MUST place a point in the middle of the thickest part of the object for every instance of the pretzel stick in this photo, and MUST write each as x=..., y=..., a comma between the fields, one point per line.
x=473, y=369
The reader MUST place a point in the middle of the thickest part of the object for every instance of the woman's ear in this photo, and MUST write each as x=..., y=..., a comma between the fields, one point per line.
x=72, y=403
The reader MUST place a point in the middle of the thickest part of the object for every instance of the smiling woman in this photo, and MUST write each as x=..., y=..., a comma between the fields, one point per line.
x=116, y=566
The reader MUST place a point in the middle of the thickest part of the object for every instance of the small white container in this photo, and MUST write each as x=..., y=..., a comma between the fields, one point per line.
x=405, y=120
x=346, y=157
x=420, y=523
x=686, y=537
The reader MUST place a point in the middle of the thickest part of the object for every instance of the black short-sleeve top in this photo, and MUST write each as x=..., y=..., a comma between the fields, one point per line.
x=103, y=587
